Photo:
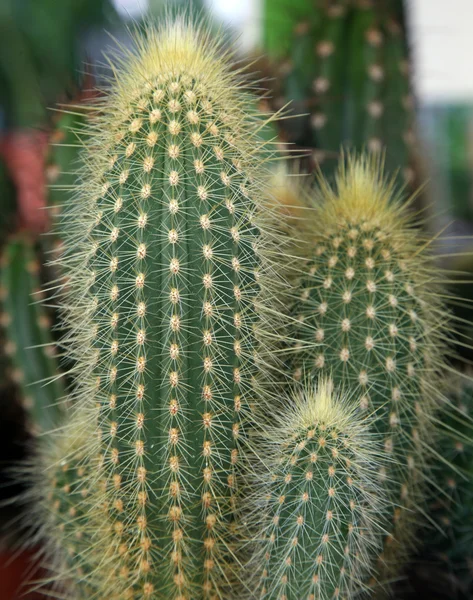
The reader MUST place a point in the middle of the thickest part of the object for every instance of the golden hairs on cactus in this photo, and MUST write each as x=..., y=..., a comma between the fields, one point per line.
x=169, y=307
x=318, y=502
x=369, y=313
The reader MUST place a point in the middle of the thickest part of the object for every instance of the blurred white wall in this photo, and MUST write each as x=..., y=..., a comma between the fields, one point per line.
x=244, y=14
x=442, y=38
x=131, y=8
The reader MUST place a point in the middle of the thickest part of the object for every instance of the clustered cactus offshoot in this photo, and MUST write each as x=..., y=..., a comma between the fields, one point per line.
x=317, y=502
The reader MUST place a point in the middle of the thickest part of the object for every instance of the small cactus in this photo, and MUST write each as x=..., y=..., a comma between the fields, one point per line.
x=320, y=500
x=167, y=258
x=368, y=314
x=29, y=343
x=65, y=476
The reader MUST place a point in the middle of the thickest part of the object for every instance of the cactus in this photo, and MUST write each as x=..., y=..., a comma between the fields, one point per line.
x=279, y=20
x=7, y=215
x=320, y=500
x=68, y=517
x=6, y=223
x=167, y=256
x=344, y=67
x=28, y=340
x=28, y=326
x=368, y=313
x=450, y=536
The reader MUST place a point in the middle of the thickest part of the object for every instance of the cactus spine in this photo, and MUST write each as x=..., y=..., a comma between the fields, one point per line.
x=368, y=313
x=63, y=156
x=63, y=523
x=165, y=261
x=321, y=499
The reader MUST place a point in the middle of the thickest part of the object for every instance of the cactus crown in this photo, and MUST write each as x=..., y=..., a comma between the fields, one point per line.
x=361, y=195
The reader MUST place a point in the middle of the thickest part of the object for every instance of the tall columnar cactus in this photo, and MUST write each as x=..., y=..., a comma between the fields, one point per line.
x=26, y=327
x=450, y=536
x=167, y=262
x=321, y=528
x=368, y=313
x=344, y=67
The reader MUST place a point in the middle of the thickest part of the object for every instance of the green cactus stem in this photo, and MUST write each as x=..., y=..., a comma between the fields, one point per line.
x=449, y=540
x=344, y=67
x=328, y=82
x=321, y=501
x=369, y=314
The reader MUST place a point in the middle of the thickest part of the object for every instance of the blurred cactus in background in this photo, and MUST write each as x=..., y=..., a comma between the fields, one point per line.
x=448, y=535
x=41, y=64
x=344, y=66
x=46, y=63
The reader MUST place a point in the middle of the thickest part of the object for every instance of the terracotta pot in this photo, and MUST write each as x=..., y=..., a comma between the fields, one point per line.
x=16, y=570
